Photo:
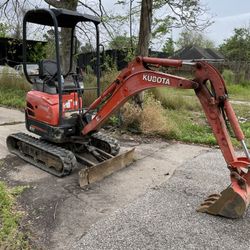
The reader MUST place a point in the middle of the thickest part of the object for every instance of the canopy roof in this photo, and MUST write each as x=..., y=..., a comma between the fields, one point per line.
x=65, y=18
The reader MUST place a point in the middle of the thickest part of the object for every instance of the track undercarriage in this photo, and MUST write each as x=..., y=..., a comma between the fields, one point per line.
x=97, y=150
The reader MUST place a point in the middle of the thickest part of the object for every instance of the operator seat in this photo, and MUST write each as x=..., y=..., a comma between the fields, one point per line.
x=47, y=77
x=48, y=81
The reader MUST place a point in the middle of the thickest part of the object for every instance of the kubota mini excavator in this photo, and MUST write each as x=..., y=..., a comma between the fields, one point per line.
x=68, y=131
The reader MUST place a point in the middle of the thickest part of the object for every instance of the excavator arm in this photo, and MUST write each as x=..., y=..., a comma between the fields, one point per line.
x=211, y=91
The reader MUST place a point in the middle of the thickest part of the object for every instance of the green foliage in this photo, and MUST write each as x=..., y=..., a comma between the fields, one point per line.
x=37, y=52
x=184, y=113
x=122, y=42
x=168, y=46
x=10, y=235
x=109, y=63
x=179, y=14
x=50, y=45
x=13, y=45
x=237, y=47
x=4, y=28
x=114, y=121
x=193, y=38
x=162, y=26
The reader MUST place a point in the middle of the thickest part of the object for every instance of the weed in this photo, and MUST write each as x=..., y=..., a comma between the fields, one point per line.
x=10, y=235
x=114, y=121
x=151, y=120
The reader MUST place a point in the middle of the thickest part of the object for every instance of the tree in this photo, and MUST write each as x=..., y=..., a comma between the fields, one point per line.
x=144, y=36
x=3, y=29
x=168, y=46
x=122, y=42
x=65, y=37
x=87, y=47
x=193, y=38
x=15, y=6
x=145, y=27
x=179, y=13
x=237, y=47
x=147, y=13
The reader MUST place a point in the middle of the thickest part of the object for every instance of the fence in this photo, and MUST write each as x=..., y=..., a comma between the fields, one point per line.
x=111, y=58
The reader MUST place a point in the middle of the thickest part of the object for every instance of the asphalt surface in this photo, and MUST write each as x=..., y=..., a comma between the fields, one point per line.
x=165, y=218
x=149, y=205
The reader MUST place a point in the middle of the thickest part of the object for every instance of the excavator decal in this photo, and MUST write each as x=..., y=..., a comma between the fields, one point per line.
x=156, y=79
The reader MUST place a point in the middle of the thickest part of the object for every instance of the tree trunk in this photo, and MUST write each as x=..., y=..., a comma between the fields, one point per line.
x=144, y=36
x=65, y=32
x=145, y=28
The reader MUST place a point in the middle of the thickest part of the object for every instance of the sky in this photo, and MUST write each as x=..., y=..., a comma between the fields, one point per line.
x=227, y=15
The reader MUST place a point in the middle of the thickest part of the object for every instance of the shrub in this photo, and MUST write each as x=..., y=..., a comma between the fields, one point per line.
x=151, y=120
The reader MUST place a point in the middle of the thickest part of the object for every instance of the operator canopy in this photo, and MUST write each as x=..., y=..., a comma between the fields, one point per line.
x=65, y=18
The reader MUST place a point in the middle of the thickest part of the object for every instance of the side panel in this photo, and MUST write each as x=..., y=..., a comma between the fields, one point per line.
x=44, y=107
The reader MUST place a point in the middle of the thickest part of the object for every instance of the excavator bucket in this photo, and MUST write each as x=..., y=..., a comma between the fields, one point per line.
x=96, y=172
x=231, y=202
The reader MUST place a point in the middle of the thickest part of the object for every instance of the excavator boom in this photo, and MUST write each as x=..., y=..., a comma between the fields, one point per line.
x=211, y=91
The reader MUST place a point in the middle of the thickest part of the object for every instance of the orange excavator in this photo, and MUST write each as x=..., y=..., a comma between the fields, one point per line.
x=69, y=132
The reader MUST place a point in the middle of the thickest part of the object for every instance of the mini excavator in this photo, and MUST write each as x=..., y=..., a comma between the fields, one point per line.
x=68, y=132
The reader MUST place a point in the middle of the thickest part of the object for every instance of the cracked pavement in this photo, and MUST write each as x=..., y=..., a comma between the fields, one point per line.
x=148, y=205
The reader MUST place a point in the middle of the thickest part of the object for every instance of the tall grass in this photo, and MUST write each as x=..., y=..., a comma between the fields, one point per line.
x=237, y=90
x=177, y=100
x=13, y=90
x=90, y=81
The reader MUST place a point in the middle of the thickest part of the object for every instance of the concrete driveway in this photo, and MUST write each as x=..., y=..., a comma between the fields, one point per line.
x=149, y=205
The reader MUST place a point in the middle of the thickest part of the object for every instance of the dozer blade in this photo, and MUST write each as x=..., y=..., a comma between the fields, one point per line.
x=98, y=172
x=231, y=202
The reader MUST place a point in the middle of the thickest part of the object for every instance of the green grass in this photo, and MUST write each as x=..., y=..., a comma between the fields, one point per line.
x=10, y=235
x=192, y=127
x=12, y=98
x=239, y=92
x=183, y=118
x=13, y=91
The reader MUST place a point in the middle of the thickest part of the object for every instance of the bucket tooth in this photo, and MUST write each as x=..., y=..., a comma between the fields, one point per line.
x=214, y=196
x=228, y=204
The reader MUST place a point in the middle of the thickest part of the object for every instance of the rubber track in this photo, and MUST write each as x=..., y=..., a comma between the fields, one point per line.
x=65, y=156
x=114, y=145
